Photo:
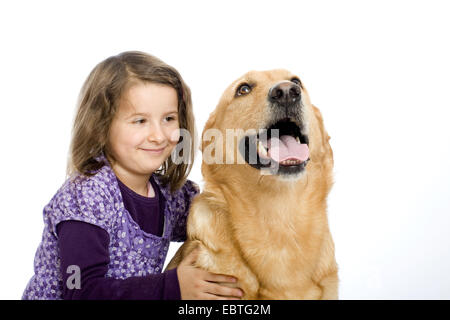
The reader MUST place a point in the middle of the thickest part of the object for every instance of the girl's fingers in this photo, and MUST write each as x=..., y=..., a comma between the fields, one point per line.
x=213, y=277
x=209, y=296
x=217, y=289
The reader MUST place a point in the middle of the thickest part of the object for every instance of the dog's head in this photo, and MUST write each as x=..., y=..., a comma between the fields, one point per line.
x=265, y=124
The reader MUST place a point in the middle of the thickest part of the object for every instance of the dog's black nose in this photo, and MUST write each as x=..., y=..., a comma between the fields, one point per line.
x=284, y=92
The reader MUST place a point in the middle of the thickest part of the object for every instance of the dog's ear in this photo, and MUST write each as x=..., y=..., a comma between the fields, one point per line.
x=325, y=147
x=209, y=124
x=319, y=118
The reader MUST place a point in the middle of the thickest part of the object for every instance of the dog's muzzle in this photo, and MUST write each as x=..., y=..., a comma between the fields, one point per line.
x=283, y=143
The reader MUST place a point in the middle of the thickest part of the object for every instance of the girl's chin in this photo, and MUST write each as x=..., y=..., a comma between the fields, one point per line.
x=151, y=165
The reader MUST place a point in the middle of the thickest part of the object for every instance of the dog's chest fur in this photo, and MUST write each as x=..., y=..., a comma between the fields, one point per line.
x=276, y=241
x=284, y=242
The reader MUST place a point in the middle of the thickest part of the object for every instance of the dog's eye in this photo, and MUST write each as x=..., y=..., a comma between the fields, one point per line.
x=243, y=89
x=296, y=81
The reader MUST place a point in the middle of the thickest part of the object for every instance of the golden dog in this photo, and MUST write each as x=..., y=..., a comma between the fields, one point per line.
x=262, y=215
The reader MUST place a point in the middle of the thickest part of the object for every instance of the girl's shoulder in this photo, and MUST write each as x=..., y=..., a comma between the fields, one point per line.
x=190, y=187
x=85, y=198
x=103, y=183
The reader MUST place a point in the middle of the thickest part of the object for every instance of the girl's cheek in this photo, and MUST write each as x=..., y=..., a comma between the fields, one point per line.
x=174, y=136
x=136, y=136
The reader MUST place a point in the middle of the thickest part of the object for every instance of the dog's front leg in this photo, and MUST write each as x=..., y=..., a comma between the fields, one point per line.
x=329, y=285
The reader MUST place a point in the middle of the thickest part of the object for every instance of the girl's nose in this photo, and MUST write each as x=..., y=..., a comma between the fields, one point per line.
x=156, y=134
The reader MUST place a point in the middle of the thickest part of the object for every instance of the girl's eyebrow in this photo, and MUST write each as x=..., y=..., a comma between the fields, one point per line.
x=148, y=115
x=171, y=111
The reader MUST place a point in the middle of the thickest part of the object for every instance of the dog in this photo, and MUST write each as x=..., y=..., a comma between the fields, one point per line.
x=263, y=219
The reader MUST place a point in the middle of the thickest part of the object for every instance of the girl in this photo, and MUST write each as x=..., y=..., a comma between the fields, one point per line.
x=108, y=228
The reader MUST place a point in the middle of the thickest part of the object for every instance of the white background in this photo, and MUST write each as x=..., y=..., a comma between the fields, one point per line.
x=378, y=70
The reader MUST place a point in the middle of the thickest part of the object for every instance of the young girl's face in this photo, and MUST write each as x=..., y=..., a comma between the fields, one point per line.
x=145, y=128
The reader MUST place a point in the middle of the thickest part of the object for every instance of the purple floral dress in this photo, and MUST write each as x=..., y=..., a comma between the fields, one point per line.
x=97, y=200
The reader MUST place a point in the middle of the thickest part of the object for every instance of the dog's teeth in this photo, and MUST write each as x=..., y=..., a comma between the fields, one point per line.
x=261, y=149
x=297, y=139
x=290, y=162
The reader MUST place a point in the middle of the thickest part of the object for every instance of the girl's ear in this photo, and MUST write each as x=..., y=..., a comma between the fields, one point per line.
x=209, y=124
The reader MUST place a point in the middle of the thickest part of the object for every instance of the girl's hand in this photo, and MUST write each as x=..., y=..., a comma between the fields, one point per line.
x=198, y=284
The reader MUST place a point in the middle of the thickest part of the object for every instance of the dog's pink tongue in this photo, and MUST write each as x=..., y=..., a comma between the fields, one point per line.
x=287, y=148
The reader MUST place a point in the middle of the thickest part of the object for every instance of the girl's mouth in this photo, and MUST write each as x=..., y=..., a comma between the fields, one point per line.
x=154, y=150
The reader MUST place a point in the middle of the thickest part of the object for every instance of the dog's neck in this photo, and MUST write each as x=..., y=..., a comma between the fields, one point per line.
x=239, y=188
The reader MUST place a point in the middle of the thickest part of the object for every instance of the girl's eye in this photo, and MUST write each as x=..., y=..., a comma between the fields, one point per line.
x=171, y=118
x=139, y=121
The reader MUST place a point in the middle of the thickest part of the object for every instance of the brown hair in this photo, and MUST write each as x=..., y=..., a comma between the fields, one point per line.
x=98, y=103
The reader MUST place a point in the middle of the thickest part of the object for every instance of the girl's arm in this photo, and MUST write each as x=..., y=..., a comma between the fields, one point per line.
x=86, y=246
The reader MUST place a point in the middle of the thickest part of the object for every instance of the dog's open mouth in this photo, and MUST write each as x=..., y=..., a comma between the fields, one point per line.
x=282, y=145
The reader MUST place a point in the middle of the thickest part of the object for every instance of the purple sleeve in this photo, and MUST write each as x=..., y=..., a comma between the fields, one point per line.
x=86, y=246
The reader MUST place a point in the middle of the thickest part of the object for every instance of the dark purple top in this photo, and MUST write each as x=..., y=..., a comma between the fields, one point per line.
x=86, y=246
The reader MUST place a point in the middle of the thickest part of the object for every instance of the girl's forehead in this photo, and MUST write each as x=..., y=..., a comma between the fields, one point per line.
x=149, y=98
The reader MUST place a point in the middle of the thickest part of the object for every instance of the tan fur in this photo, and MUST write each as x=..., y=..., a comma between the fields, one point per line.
x=270, y=233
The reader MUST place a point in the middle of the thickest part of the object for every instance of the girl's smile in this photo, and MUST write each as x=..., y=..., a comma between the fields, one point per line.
x=154, y=150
